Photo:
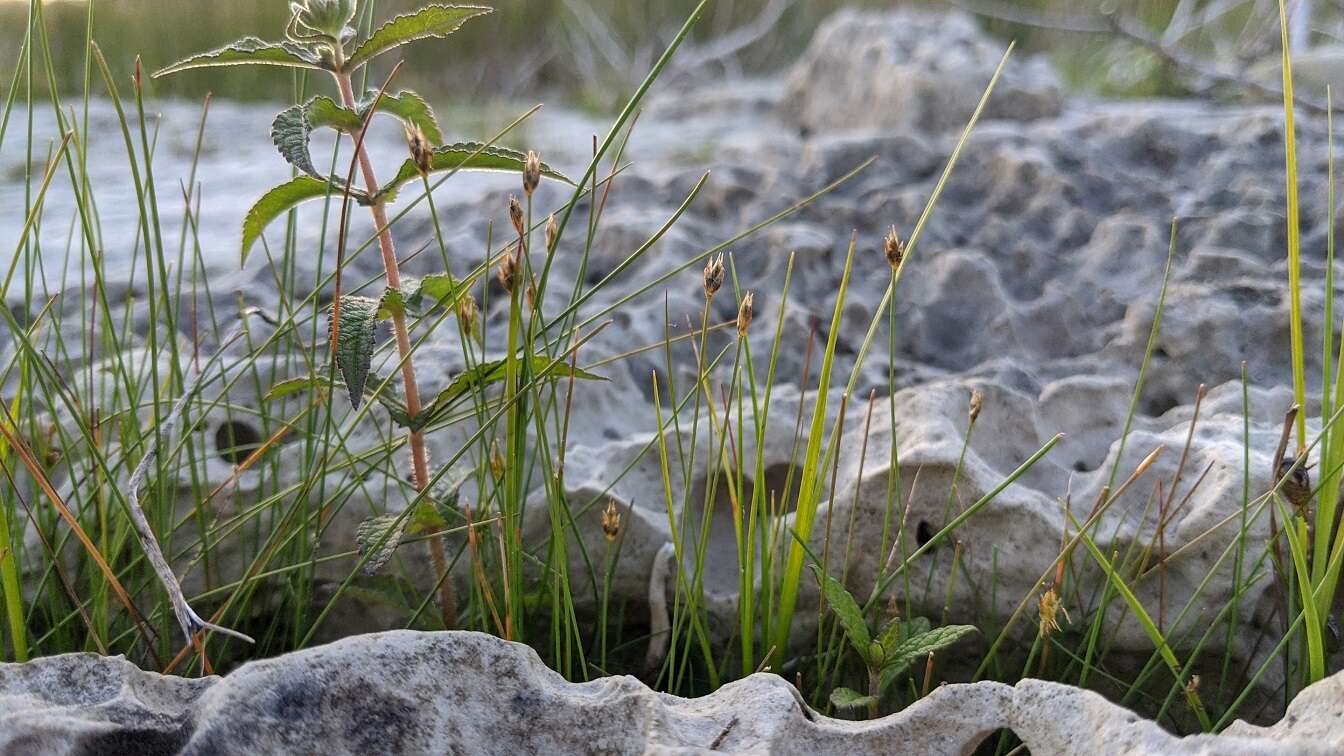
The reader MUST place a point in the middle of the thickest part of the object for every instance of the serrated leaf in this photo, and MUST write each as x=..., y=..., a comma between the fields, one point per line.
x=354, y=342
x=249, y=51
x=427, y=518
x=420, y=295
x=433, y=21
x=296, y=385
x=847, y=611
x=283, y=198
x=379, y=537
x=324, y=111
x=407, y=107
x=848, y=698
x=918, y=646
x=289, y=134
x=447, y=491
x=466, y=156
x=890, y=635
x=487, y=373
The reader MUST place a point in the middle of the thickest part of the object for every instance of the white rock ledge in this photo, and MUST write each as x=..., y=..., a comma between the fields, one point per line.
x=464, y=692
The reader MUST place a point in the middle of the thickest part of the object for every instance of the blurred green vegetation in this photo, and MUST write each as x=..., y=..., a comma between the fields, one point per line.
x=588, y=49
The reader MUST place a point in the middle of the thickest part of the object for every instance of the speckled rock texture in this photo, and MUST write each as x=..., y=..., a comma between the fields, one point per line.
x=407, y=692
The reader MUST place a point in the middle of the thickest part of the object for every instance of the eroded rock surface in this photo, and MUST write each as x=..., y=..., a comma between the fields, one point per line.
x=459, y=692
x=1036, y=281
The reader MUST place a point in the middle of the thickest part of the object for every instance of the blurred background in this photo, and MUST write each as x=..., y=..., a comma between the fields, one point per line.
x=592, y=51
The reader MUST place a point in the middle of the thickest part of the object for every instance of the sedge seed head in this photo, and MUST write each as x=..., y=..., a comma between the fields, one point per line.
x=713, y=276
x=508, y=271
x=421, y=152
x=468, y=312
x=977, y=402
x=895, y=249
x=552, y=231
x=611, y=521
x=745, y=312
x=1050, y=608
x=531, y=173
x=496, y=461
x=516, y=214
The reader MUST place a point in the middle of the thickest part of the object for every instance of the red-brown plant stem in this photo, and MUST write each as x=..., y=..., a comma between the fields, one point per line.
x=419, y=455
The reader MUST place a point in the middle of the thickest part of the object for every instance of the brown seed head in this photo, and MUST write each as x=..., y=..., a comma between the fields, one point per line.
x=895, y=249
x=1192, y=685
x=531, y=296
x=552, y=231
x=516, y=214
x=421, y=152
x=508, y=271
x=496, y=461
x=468, y=312
x=1050, y=608
x=531, y=173
x=611, y=520
x=1296, y=485
x=713, y=276
x=977, y=401
x=745, y=313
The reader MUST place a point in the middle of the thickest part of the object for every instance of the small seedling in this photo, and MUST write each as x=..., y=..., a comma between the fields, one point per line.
x=898, y=644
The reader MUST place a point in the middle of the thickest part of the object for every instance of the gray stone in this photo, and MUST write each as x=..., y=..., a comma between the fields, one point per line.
x=459, y=692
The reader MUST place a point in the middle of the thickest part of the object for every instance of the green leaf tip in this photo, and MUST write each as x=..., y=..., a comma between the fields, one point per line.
x=848, y=612
x=466, y=156
x=283, y=198
x=354, y=341
x=432, y=21
x=249, y=51
x=848, y=698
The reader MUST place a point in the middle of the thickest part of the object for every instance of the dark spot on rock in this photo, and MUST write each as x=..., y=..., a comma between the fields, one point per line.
x=923, y=533
x=235, y=440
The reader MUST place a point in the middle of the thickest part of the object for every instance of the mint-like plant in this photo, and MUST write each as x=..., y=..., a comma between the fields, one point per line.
x=898, y=644
x=319, y=36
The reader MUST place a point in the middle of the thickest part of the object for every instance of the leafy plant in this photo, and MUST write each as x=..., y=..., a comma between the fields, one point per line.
x=887, y=656
x=320, y=36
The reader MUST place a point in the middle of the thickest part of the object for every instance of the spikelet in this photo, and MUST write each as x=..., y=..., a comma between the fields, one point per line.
x=422, y=154
x=745, y=313
x=531, y=173
x=713, y=276
x=895, y=249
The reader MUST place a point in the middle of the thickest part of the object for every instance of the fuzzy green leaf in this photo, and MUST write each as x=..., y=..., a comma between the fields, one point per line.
x=354, y=342
x=250, y=51
x=487, y=373
x=289, y=134
x=433, y=21
x=296, y=385
x=847, y=610
x=421, y=295
x=380, y=535
x=281, y=200
x=449, y=488
x=896, y=631
x=848, y=698
x=918, y=646
x=466, y=156
x=406, y=106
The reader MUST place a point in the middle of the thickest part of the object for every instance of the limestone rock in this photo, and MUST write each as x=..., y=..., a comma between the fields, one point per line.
x=408, y=692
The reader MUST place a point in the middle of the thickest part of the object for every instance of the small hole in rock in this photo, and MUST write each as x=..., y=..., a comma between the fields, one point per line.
x=235, y=440
x=923, y=533
x=1002, y=740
